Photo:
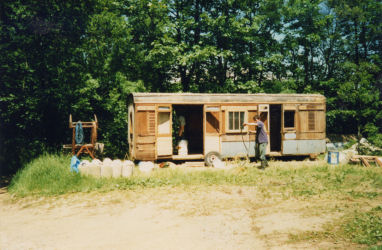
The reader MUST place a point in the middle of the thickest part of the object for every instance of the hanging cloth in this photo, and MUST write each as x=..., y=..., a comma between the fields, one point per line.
x=79, y=133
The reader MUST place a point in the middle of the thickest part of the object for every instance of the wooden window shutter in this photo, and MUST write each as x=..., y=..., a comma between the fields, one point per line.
x=145, y=123
x=151, y=123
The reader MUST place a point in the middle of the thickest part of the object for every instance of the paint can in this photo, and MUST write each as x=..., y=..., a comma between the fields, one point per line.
x=333, y=157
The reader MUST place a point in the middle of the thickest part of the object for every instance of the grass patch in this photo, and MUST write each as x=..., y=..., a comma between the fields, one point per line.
x=364, y=228
x=50, y=175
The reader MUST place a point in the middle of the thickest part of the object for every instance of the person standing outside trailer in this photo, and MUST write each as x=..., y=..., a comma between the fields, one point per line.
x=261, y=140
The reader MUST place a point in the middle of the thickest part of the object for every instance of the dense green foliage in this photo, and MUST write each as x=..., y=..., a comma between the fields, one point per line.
x=84, y=57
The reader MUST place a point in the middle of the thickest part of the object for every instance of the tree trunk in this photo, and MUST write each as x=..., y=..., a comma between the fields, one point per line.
x=356, y=41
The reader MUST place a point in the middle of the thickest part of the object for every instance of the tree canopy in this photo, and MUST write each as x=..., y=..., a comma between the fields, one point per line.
x=84, y=57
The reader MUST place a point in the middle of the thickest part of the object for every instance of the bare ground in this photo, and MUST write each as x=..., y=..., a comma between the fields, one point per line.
x=220, y=217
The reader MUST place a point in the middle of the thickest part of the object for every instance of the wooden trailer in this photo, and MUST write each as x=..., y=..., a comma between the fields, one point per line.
x=295, y=124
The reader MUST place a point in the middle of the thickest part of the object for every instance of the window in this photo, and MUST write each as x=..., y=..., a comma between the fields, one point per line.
x=164, y=123
x=289, y=118
x=236, y=120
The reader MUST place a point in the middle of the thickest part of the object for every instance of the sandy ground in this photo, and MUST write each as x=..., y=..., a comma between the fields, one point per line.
x=163, y=218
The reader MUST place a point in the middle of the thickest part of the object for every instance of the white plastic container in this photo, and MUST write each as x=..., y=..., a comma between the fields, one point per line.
x=107, y=161
x=84, y=169
x=94, y=170
x=183, y=147
x=106, y=171
x=127, y=168
x=117, y=168
x=146, y=166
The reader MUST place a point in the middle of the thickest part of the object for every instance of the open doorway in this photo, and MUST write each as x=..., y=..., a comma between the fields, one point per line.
x=275, y=127
x=193, y=129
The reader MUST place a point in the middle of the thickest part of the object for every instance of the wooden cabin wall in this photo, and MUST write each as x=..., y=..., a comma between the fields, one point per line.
x=312, y=124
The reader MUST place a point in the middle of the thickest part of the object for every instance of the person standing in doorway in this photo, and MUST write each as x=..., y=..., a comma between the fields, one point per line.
x=261, y=140
x=182, y=124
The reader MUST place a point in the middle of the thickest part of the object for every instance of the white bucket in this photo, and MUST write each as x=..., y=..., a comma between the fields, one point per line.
x=94, y=170
x=146, y=166
x=183, y=147
x=106, y=171
x=117, y=168
x=84, y=167
x=127, y=168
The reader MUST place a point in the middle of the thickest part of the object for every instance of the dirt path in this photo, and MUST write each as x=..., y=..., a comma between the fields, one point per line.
x=166, y=218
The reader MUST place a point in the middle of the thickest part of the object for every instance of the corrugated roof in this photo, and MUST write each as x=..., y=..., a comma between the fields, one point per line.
x=202, y=98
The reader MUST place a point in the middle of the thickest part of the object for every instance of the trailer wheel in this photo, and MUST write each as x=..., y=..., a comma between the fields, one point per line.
x=210, y=157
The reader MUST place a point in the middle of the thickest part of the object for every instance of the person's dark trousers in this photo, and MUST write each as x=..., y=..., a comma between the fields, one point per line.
x=260, y=150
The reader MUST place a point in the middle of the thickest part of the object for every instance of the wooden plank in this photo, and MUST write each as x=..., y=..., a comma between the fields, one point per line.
x=198, y=98
x=240, y=107
x=223, y=122
x=364, y=162
x=145, y=139
x=369, y=157
x=188, y=157
x=238, y=137
x=357, y=159
x=311, y=106
x=145, y=152
x=310, y=135
x=194, y=164
x=145, y=108
x=290, y=106
x=164, y=146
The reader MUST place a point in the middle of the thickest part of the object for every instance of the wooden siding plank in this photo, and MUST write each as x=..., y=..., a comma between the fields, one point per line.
x=198, y=98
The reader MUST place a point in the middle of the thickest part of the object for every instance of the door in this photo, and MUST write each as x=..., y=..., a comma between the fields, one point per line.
x=212, y=128
x=164, y=131
x=275, y=127
x=145, y=133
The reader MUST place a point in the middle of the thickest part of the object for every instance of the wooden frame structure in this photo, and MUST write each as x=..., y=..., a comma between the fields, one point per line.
x=295, y=123
x=87, y=148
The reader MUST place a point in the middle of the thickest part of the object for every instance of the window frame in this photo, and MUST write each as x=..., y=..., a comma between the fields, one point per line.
x=245, y=119
x=161, y=109
x=294, y=120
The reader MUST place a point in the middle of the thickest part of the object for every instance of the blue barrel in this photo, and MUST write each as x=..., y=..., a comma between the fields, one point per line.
x=333, y=157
